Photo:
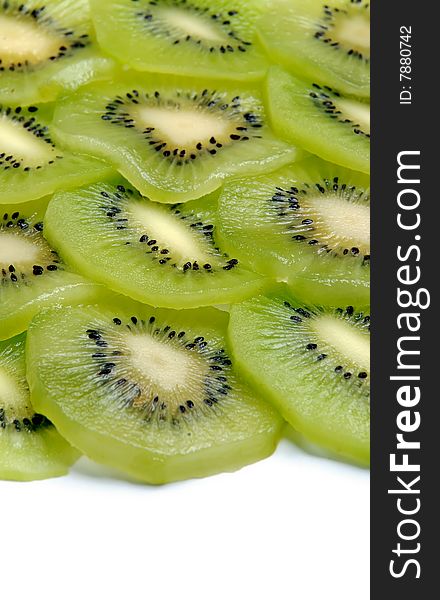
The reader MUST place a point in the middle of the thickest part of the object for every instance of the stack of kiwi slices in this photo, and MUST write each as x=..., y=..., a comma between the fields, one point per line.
x=184, y=233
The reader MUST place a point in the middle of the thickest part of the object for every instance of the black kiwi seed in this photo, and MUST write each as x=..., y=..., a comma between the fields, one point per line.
x=285, y=203
x=117, y=113
x=156, y=24
x=69, y=43
x=324, y=98
x=328, y=20
x=24, y=228
x=153, y=405
x=29, y=424
x=34, y=128
x=114, y=209
x=347, y=313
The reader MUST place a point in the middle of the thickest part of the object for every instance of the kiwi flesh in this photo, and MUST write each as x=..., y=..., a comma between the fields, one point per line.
x=312, y=363
x=150, y=392
x=30, y=447
x=161, y=254
x=320, y=120
x=307, y=224
x=325, y=41
x=31, y=164
x=172, y=138
x=32, y=275
x=194, y=37
x=47, y=46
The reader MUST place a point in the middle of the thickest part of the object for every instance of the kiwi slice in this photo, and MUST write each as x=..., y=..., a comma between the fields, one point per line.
x=174, y=139
x=150, y=392
x=47, y=46
x=307, y=224
x=327, y=41
x=312, y=363
x=30, y=447
x=31, y=164
x=319, y=119
x=32, y=275
x=161, y=254
x=183, y=37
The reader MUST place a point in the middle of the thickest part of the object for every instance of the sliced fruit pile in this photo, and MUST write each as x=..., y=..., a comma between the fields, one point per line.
x=184, y=233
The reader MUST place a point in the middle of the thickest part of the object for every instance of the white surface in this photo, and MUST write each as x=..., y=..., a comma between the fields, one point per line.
x=292, y=526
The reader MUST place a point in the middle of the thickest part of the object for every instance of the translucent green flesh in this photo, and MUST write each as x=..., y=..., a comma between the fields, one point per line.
x=25, y=453
x=298, y=114
x=113, y=426
x=322, y=389
x=169, y=37
x=18, y=305
x=259, y=219
x=295, y=36
x=170, y=170
x=159, y=254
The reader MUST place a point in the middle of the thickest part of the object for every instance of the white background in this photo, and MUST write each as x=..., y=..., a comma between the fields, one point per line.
x=293, y=526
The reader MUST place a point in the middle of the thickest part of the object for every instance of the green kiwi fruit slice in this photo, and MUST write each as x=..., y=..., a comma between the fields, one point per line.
x=312, y=363
x=31, y=164
x=307, y=224
x=174, y=139
x=183, y=37
x=47, y=46
x=32, y=275
x=319, y=119
x=150, y=392
x=327, y=41
x=30, y=447
x=161, y=254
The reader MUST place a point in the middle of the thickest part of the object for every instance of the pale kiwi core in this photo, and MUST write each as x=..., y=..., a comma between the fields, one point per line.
x=341, y=223
x=17, y=141
x=12, y=397
x=162, y=367
x=170, y=233
x=347, y=341
x=185, y=127
x=18, y=251
x=23, y=41
x=357, y=112
x=193, y=25
x=353, y=32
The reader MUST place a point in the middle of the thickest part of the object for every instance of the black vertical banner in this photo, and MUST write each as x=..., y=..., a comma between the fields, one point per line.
x=405, y=278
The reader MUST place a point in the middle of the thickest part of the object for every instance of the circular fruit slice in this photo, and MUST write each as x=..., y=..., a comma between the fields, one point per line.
x=32, y=275
x=30, y=447
x=307, y=224
x=161, y=254
x=320, y=119
x=150, y=392
x=312, y=363
x=46, y=47
x=174, y=139
x=31, y=164
x=326, y=41
x=197, y=37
